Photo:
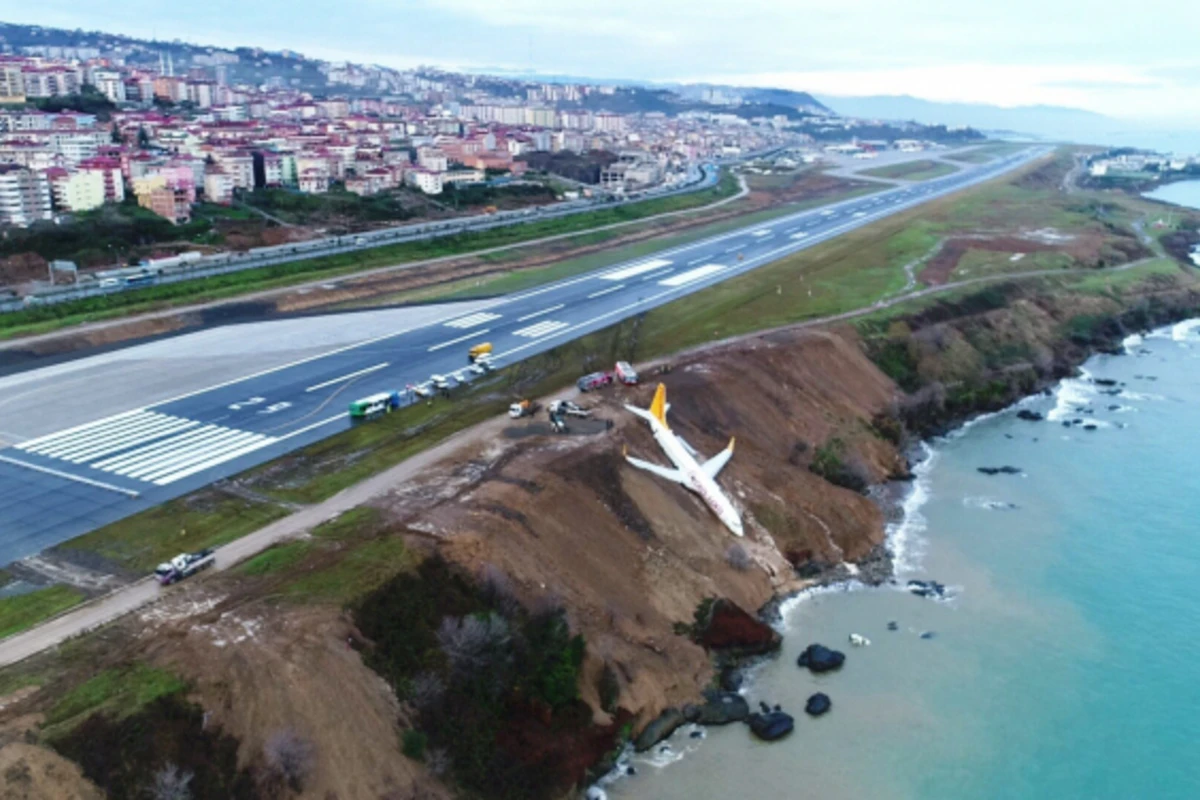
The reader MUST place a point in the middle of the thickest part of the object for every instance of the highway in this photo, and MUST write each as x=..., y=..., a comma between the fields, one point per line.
x=61, y=484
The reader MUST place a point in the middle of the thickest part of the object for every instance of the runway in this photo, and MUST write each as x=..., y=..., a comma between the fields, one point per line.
x=103, y=462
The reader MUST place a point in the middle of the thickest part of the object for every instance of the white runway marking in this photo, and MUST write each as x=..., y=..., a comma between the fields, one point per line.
x=801, y=235
x=636, y=269
x=763, y=232
x=471, y=320
x=540, y=313
x=332, y=381
x=692, y=275
x=541, y=329
x=147, y=446
x=609, y=290
x=471, y=335
x=69, y=476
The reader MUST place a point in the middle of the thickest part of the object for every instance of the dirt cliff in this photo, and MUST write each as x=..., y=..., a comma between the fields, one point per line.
x=629, y=554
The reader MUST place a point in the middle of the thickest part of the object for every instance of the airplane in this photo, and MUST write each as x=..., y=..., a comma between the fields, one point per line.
x=700, y=478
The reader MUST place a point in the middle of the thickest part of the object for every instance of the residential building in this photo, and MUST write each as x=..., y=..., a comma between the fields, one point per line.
x=314, y=181
x=25, y=196
x=12, y=85
x=77, y=191
x=426, y=180
x=219, y=186
x=110, y=84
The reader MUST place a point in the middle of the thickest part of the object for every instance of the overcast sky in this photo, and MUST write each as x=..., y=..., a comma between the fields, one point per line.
x=1129, y=60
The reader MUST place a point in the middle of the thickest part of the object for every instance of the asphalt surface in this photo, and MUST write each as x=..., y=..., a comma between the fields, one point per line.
x=62, y=484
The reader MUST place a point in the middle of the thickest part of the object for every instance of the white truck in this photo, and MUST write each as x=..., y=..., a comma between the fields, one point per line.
x=183, y=566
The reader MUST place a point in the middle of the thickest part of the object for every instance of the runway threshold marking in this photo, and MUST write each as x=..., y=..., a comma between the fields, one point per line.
x=332, y=381
x=70, y=477
x=541, y=329
x=609, y=290
x=692, y=275
x=658, y=274
x=471, y=335
x=536, y=314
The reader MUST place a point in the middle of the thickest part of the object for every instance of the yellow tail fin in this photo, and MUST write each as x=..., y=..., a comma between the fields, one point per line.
x=659, y=405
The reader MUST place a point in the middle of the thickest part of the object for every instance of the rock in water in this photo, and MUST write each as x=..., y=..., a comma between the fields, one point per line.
x=893, y=626
x=927, y=588
x=770, y=727
x=818, y=704
x=720, y=708
x=928, y=635
x=730, y=629
x=819, y=658
x=659, y=729
x=1029, y=416
x=1005, y=470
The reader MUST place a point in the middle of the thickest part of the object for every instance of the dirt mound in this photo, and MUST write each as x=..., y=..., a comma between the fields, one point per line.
x=261, y=670
x=29, y=772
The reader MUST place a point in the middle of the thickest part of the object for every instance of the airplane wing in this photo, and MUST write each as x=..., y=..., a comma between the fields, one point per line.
x=714, y=465
x=686, y=446
x=664, y=472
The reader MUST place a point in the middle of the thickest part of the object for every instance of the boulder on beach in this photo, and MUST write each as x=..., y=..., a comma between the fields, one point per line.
x=772, y=726
x=818, y=704
x=731, y=629
x=662, y=727
x=719, y=708
x=819, y=658
x=1005, y=470
x=1029, y=416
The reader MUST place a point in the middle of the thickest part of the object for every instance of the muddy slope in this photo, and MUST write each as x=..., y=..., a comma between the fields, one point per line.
x=630, y=554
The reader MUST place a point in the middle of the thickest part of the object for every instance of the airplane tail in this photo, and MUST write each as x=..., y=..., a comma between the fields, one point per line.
x=658, y=407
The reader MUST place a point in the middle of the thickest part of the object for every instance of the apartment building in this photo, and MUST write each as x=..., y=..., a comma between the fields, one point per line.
x=77, y=191
x=25, y=196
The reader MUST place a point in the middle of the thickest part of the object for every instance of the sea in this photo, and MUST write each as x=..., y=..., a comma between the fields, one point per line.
x=1064, y=659
x=1182, y=193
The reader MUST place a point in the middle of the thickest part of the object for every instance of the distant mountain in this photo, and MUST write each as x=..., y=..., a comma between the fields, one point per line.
x=1049, y=122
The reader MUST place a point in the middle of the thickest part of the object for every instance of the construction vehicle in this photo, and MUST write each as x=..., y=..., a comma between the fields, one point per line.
x=478, y=351
x=382, y=403
x=566, y=408
x=523, y=408
x=482, y=364
x=183, y=566
x=626, y=374
x=490, y=209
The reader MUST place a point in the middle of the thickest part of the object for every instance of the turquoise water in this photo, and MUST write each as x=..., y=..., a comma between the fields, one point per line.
x=1064, y=666
x=1183, y=193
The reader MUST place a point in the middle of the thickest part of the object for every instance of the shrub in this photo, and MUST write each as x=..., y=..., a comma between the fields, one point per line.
x=830, y=462
x=737, y=557
x=414, y=743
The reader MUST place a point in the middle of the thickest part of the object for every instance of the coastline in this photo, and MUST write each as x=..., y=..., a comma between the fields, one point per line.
x=903, y=548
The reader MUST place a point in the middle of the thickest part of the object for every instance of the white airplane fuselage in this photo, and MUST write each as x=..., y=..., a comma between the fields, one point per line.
x=696, y=478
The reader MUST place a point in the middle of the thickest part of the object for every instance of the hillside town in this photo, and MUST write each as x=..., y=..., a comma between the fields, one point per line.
x=93, y=119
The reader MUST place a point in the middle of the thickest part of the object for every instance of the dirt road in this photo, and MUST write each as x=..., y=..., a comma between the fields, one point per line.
x=109, y=607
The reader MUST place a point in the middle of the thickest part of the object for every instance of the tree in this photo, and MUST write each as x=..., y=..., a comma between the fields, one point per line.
x=143, y=138
x=171, y=783
x=475, y=642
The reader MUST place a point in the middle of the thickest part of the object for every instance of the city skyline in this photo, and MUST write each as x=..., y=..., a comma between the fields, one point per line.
x=1023, y=54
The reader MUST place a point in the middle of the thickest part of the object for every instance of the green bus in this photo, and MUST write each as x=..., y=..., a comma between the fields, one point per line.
x=381, y=403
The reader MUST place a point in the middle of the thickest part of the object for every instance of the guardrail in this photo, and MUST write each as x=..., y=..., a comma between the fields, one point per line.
x=701, y=177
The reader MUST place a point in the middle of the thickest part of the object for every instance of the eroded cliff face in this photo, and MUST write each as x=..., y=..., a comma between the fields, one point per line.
x=630, y=554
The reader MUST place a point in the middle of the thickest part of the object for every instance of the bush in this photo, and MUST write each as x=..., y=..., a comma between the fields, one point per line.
x=737, y=557
x=830, y=462
x=289, y=757
x=414, y=744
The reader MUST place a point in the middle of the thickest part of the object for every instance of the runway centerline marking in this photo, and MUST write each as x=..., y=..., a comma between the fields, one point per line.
x=332, y=381
x=540, y=313
x=609, y=290
x=437, y=347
